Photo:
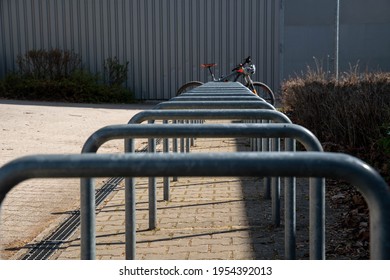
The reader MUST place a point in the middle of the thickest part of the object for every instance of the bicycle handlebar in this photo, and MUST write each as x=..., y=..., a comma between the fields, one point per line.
x=246, y=61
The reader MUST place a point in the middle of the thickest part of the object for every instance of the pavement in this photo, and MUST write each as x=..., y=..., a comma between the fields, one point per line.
x=35, y=207
x=206, y=217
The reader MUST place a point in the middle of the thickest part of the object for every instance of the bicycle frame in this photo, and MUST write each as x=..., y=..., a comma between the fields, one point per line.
x=231, y=77
x=238, y=71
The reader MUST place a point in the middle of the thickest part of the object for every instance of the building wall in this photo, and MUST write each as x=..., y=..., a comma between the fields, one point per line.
x=165, y=41
x=310, y=32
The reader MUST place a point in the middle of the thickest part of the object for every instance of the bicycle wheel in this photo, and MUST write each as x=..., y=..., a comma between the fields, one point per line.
x=188, y=86
x=264, y=91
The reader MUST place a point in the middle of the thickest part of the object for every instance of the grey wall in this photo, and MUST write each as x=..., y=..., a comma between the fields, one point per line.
x=165, y=41
x=310, y=32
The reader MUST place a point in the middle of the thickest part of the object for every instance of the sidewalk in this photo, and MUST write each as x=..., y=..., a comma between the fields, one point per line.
x=206, y=218
x=35, y=207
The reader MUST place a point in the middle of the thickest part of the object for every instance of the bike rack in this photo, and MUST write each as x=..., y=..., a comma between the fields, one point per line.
x=248, y=114
x=211, y=88
x=186, y=105
x=226, y=114
x=314, y=165
x=217, y=98
x=201, y=114
x=215, y=94
x=128, y=132
x=272, y=185
x=220, y=87
x=214, y=105
x=288, y=164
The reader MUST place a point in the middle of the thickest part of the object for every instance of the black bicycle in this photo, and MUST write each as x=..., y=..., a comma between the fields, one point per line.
x=244, y=70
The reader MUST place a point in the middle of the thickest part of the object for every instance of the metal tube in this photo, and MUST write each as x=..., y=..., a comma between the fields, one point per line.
x=87, y=219
x=214, y=105
x=182, y=141
x=166, y=183
x=217, y=114
x=152, y=190
x=175, y=148
x=130, y=208
x=317, y=218
x=217, y=98
x=275, y=188
x=290, y=209
x=265, y=146
x=205, y=131
x=337, y=41
x=301, y=164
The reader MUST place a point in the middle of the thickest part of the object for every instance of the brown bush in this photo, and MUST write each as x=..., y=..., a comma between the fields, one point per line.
x=48, y=64
x=352, y=114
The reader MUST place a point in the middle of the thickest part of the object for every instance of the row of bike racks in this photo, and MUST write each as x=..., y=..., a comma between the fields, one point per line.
x=314, y=164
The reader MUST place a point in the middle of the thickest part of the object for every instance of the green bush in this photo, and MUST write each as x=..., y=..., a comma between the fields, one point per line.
x=80, y=86
x=57, y=75
x=115, y=73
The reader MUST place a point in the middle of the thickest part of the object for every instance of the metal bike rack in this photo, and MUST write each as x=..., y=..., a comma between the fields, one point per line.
x=201, y=114
x=203, y=93
x=209, y=95
x=288, y=164
x=272, y=185
x=212, y=89
x=220, y=87
x=217, y=98
x=127, y=132
x=232, y=114
x=214, y=105
x=225, y=114
x=186, y=105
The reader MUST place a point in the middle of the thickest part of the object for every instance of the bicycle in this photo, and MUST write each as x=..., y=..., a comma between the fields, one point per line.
x=245, y=70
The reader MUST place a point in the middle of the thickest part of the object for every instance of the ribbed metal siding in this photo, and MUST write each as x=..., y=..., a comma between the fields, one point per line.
x=164, y=40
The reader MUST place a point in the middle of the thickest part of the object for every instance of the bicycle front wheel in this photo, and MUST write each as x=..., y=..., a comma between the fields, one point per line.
x=188, y=86
x=265, y=92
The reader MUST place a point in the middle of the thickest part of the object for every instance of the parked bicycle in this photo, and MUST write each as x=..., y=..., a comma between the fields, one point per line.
x=244, y=70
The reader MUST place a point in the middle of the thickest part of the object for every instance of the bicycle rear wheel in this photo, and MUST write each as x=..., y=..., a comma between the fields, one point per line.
x=265, y=92
x=188, y=86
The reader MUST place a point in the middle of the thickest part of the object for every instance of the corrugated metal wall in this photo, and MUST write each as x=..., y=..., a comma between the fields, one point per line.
x=164, y=40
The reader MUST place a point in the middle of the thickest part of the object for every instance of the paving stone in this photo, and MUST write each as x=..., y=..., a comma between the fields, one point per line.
x=205, y=218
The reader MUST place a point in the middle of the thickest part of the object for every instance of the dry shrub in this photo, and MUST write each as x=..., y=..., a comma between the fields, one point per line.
x=352, y=114
x=52, y=64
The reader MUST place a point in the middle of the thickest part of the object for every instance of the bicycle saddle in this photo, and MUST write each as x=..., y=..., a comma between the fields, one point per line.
x=208, y=65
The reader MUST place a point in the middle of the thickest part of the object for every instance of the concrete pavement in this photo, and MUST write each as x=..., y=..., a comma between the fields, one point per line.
x=35, y=207
x=206, y=218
